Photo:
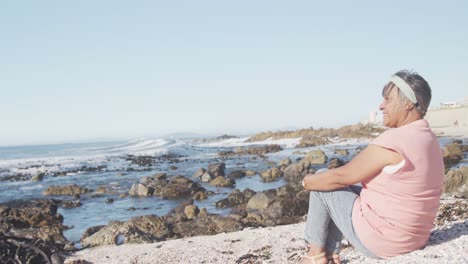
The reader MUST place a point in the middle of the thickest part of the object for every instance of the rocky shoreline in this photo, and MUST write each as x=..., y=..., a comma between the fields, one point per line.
x=36, y=222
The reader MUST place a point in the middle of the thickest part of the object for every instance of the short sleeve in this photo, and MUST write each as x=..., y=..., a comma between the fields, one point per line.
x=389, y=140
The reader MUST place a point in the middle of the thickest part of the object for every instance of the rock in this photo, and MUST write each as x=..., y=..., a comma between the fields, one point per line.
x=222, y=137
x=140, y=160
x=456, y=181
x=250, y=173
x=311, y=141
x=296, y=172
x=178, y=187
x=452, y=154
x=207, y=177
x=33, y=222
x=101, y=190
x=140, y=189
x=237, y=174
x=65, y=190
x=335, y=163
x=71, y=204
x=271, y=174
x=342, y=152
x=315, y=157
x=109, y=200
x=203, y=213
x=286, y=162
x=221, y=181
x=216, y=169
x=191, y=211
x=258, y=150
x=38, y=177
x=200, y=195
x=236, y=197
x=259, y=201
x=172, y=167
x=464, y=147
x=198, y=173
x=159, y=176
x=141, y=229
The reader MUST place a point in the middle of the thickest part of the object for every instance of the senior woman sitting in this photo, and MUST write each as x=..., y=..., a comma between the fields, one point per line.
x=401, y=172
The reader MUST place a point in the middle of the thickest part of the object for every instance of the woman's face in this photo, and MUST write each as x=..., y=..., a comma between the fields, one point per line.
x=392, y=109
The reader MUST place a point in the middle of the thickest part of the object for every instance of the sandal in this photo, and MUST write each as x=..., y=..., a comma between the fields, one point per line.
x=311, y=260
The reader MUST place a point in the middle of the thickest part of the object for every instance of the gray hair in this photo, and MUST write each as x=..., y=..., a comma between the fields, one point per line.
x=420, y=88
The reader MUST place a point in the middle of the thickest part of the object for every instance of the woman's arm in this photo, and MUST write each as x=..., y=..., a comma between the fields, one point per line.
x=365, y=165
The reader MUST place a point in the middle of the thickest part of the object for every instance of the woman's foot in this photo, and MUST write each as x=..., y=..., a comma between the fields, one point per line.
x=333, y=258
x=320, y=258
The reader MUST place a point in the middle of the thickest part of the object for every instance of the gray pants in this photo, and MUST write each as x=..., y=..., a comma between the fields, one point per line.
x=330, y=217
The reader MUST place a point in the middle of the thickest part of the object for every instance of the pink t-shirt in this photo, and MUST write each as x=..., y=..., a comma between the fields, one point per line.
x=395, y=211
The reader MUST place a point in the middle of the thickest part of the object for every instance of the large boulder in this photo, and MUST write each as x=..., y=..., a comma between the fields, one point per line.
x=284, y=205
x=65, y=190
x=259, y=201
x=207, y=177
x=271, y=174
x=178, y=187
x=286, y=162
x=257, y=150
x=191, y=211
x=216, y=169
x=221, y=181
x=295, y=173
x=456, y=182
x=452, y=154
x=140, y=189
x=158, y=185
x=197, y=174
x=141, y=229
x=312, y=141
x=315, y=157
x=34, y=222
x=236, y=197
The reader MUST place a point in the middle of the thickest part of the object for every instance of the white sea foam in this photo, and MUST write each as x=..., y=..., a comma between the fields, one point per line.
x=73, y=158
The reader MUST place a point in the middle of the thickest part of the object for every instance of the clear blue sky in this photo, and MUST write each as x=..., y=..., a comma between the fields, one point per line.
x=78, y=70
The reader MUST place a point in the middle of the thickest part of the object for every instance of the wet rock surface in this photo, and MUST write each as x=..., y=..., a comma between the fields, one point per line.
x=69, y=190
x=452, y=154
x=176, y=187
x=260, y=150
x=31, y=231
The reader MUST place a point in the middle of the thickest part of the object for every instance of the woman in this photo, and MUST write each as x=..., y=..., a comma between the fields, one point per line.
x=401, y=172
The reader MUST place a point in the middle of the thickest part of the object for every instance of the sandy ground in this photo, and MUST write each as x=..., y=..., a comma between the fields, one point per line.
x=281, y=244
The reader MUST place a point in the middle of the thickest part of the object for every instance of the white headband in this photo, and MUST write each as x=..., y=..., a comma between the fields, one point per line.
x=405, y=88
